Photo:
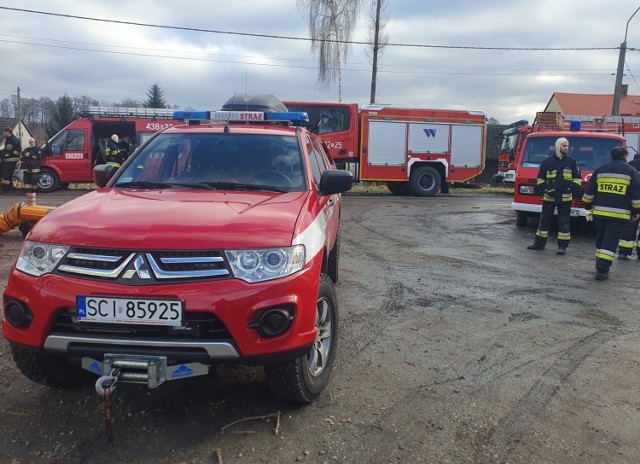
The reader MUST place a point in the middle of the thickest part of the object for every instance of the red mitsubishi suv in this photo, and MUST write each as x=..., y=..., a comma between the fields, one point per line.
x=216, y=242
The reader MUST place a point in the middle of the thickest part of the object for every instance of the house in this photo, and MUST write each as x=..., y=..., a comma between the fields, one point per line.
x=593, y=104
x=19, y=130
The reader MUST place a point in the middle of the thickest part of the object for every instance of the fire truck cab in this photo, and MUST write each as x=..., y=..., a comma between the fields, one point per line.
x=70, y=155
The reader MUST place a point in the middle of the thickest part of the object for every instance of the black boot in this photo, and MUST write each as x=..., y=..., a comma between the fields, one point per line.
x=535, y=246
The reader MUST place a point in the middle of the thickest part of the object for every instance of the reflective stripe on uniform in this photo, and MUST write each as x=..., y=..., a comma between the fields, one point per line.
x=616, y=213
x=605, y=254
x=564, y=236
x=542, y=233
x=626, y=244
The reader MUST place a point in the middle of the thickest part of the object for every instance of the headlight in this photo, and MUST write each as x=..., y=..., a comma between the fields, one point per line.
x=39, y=258
x=527, y=189
x=266, y=264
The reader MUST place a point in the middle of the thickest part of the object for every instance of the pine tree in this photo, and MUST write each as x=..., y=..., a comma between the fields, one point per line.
x=63, y=115
x=155, y=97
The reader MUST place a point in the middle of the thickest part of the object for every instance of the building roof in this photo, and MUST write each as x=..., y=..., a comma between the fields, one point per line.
x=8, y=122
x=592, y=104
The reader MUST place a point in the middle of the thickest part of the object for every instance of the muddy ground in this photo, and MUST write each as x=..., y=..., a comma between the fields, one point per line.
x=456, y=345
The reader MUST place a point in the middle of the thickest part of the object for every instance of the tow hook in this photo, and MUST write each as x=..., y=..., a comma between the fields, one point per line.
x=127, y=368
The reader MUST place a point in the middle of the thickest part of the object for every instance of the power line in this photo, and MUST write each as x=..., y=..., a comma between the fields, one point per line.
x=307, y=39
x=260, y=57
x=274, y=65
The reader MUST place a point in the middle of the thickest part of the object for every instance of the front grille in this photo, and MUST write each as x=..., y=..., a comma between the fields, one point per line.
x=143, y=267
x=198, y=326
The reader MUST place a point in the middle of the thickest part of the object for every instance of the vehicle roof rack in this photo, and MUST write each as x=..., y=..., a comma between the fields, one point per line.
x=128, y=111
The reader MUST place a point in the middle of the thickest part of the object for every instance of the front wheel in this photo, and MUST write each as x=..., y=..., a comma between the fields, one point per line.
x=522, y=219
x=48, y=370
x=425, y=181
x=302, y=379
x=48, y=181
x=398, y=188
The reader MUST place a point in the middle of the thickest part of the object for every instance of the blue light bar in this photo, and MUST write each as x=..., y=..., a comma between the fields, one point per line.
x=574, y=126
x=191, y=115
x=287, y=116
x=242, y=116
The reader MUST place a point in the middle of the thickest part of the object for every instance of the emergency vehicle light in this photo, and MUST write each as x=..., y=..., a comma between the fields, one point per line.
x=574, y=126
x=191, y=115
x=242, y=116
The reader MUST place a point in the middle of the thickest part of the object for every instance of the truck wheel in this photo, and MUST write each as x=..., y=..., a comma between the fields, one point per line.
x=302, y=379
x=334, y=262
x=522, y=219
x=48, y=181
x=398, y=188
x=425, y=181
x=48, y=370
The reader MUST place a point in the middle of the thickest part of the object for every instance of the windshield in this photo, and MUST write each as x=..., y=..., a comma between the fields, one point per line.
x=509, y=142
x=325, y=119
x=219, y=161
x=588, y=152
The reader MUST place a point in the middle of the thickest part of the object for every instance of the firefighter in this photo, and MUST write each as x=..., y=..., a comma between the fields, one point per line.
x=9, y=156
x=558, y=179
x=611, y=200
x=629, y=236
x=114, y=153
x=30, y=162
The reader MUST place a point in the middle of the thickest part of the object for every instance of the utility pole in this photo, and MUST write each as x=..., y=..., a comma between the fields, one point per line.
x=374, y=64
x=618, y=88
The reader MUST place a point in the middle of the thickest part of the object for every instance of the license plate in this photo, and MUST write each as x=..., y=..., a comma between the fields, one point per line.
x=111, y=310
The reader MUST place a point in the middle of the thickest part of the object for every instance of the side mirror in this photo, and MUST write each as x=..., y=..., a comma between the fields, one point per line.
x=103, y=173
x=335, y=181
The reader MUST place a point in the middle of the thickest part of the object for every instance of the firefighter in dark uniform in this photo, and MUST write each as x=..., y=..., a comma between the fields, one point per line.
x=114, y=153
x=9, y=156
x=30, y=162
x=558, y=179
x=611, y=200
x=630, y=234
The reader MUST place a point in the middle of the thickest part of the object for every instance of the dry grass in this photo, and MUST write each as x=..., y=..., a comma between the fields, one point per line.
x=380, y=188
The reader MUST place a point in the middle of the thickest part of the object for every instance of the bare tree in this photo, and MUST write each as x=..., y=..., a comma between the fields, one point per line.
x=331, y=24
x=378, y=38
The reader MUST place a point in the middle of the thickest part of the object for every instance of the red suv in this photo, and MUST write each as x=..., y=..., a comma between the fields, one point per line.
x=216, y=242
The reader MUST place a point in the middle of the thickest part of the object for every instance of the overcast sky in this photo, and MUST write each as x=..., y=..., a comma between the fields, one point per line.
x=49, y=56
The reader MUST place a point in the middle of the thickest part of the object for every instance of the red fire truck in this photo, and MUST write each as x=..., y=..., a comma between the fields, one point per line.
x=72, y=153
x=590, y=142
x=416, y=151
x=511, y=138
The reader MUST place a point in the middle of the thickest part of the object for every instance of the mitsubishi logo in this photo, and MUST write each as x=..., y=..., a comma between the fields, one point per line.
x=140, y=268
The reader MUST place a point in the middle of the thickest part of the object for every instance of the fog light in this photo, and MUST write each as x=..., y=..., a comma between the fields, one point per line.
x=273, y=322
x=18, y=315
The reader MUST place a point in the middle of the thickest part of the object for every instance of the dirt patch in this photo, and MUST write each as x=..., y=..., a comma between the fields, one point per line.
x=456, y=345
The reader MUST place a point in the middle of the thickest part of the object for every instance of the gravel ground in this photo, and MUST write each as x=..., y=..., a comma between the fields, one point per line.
x=456, y=345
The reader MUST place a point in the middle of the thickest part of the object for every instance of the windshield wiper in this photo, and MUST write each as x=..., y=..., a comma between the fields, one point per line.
x=143, y=184
x=241, y=186
x=193, y=185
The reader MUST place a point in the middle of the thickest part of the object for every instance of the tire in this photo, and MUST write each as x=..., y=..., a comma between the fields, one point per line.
x=522, y=219
x=48, y=181
x=398, y=188
x=425, y=181
x=302, y=379
x=333, y=265
x=51, y=371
